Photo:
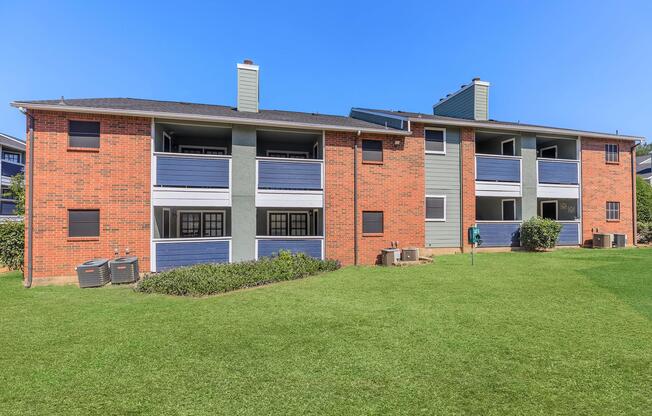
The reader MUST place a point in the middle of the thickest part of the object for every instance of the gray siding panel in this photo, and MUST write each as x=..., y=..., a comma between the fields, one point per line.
x=443, y=178
x=529, y=184
x=379, y=119
x=247, y=90
x=268, y=248
x=481, y=102
x=461, y=105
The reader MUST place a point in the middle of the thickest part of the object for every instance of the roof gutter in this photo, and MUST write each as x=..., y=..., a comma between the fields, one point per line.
x=199, y=117
x=525, y=128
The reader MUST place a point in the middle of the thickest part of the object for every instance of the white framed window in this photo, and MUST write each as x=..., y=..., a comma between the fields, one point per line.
x=549, y=210
x=13, y=157
x=508, y=207
x=508, y=147
x=202, y=150
x=613, y=211
x=287, y=154
x=284, y=223
x=549, y=152
x=194, y=224
x=435, y=140
x=436, y=208
x=167, y=142
x=611, y=153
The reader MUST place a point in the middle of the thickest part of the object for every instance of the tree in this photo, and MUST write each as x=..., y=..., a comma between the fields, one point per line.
x=643, y=200
x=17, y=192
x=644, y=149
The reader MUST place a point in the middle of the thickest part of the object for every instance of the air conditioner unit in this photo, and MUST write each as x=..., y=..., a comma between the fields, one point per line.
x=410, y=254
x=602, y=240
x=94, y=273
x=620, y=240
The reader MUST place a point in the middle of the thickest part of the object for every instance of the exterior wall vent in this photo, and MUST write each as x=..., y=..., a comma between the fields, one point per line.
x=248, y=89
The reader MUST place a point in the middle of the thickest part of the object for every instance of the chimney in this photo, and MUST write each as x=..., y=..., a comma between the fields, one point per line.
x=471, y=101
x=248, y=86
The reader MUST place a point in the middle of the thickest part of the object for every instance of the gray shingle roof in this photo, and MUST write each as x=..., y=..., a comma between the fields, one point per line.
x=210, y=110
x=11, y=141
x=490, y=123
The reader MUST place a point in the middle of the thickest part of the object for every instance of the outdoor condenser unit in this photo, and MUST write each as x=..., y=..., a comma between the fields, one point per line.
x=94, y=273
x=601, y=240
x=620, y=240
x=410, y=254
x=124, y=270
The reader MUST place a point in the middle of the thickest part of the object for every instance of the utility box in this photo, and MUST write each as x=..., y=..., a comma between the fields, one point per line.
x=620, y=240
x=474, y=235
x=602, y=240
x=124, y=270
x=94, y=273
x=389, y=256
x=410, y=254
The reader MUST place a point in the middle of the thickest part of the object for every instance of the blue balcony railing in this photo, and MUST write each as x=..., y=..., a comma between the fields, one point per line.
x=290, y=174
x=172, y=253
x=496, y=168
x=499, y=234
x=270, y=246
x=196, y=171
x=7, y=207
x=562, y=172
x=570, y=234
x=11, y=169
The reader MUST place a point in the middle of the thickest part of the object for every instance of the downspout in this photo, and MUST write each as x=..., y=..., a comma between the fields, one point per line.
x=635, y=220
x=30, y=199
x=355, y=199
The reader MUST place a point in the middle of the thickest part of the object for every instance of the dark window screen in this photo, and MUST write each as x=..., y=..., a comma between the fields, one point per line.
x=434, y=140
x=372, y=150
x=190, y=224
x=372, y=222
x=299, y=224
x=84, y=134
x=435, y=208
x=83, y=223
x=213, y=224
x=278, y=224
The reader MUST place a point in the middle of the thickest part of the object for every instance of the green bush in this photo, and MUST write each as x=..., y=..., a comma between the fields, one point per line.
x=644, y=232
x=539, y=233
x=643, y=200
x=210, y=279
x=12, y=244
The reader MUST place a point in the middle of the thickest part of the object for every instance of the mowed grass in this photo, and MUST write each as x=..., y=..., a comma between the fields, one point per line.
x=567, y=332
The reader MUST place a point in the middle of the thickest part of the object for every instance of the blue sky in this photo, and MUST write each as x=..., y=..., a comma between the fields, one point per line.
x=585, y=65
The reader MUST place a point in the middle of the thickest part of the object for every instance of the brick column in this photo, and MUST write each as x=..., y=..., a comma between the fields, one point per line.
x=467, y=159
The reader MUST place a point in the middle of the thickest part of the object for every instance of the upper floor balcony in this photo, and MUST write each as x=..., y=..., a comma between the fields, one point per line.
x=558, y=168
x=10, y=169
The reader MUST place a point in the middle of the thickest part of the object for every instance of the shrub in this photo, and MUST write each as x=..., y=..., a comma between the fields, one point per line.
x=539, y=233
x=210, y=279
x=16, y=192
x=644, y=232
x=643, y=200
x=12, y=244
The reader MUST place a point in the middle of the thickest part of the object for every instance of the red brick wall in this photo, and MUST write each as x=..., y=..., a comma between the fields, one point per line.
x=467, y=153
x=602, y=182
x=396, y=187
x=115, y=180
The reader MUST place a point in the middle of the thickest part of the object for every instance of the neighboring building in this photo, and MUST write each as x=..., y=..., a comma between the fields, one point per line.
x=644, y=167
x=12, y=162
x=179, y=183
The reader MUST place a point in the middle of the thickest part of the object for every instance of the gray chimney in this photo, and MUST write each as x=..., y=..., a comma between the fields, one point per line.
x=471, y=102
x=248, y=87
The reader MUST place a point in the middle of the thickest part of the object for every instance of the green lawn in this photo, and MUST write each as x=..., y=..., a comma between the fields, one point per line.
x=568, y=332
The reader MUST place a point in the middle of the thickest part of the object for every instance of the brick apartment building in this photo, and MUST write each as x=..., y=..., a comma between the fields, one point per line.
x=180, y=183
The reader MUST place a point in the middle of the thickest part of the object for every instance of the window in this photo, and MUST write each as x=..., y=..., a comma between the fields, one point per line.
x=167, y=142
x=213, y=224
x=13, y=157
x=166, y=223
x=372, y=222
x=202, y=150
x=549, y=210
x=435, y=141
x=287, y=223
x=288, y=154
x=193, y=224
x=611, y=153
x=435, y=208
x=613, y=211
x=83, y=223
x=549, y=152
x=509, y=209
x=372, y=151
x=190, y=224
x=84, y=134
x=508, y=148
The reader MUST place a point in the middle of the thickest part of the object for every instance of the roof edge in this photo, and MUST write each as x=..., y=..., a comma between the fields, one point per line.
x=199, y=117
x=19, y=143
